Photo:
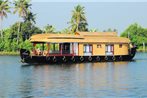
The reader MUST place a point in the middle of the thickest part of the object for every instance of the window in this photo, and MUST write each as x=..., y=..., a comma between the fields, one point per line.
x=90, y=48
x=120, y=45
x=87, y=48
x=106, y=48
x=109, y=48
x=84, y=48
x=99, y=46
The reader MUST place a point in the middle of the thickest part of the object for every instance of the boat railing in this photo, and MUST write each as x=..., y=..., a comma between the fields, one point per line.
x=45, y=53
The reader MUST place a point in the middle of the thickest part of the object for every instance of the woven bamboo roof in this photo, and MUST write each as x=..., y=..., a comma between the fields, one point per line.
x=51, y=36
x=84, y=37
x=88, y=34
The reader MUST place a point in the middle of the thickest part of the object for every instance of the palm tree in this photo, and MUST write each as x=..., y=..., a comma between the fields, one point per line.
x=82, y=26
x=4, y=9
x=49, y=29
x=22, y=8
x=78, y=20
x=73, y=26
x=30, y=17
x=66, y=31
x=109, y=30
x=93, y=30
x=115, y=30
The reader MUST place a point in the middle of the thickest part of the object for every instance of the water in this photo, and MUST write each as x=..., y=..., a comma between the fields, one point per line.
x=85, y=80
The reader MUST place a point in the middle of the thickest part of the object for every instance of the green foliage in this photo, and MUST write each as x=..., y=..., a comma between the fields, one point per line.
x=66, y=31
x=9, y=53
x=49, y=29
x=17, y=36
x=136, y=34
x=78, y=20
x=30, y=17
x=10, y=37
x=22, y=7
x=4, y=9
x=26, y=30
x=1, y=45
x=93, y=30
x=27, y=45
x=110, y=30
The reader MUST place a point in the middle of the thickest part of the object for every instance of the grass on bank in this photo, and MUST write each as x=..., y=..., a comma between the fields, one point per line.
x=2, y=53
x=141, y=49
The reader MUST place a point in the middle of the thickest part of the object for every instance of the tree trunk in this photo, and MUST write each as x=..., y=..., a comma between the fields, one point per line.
x=78, y=21
x=1, y=31
x=143, y=46
x=19, y=23
x=77, y=29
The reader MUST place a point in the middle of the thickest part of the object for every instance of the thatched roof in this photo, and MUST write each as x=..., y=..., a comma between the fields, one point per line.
x=80, y=37
x=88, y=34
x=51, y=36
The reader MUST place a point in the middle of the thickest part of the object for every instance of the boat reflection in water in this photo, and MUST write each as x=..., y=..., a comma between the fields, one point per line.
x=103, y=77
x=80, y=80
x=77, y=80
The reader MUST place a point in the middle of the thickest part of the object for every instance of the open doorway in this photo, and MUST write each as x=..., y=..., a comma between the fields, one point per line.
x=66, y=48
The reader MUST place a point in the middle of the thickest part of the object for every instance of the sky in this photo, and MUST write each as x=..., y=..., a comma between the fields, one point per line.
x=100, y=14
x=89, y=0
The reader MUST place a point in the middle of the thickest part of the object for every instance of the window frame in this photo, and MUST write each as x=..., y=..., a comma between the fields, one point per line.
x=85, y=48
x=99, y=46
x=120, y=45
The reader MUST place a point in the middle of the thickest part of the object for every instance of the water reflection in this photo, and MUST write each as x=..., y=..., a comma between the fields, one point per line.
x=84, y=79
x=26, y=82
x=103, y=76
x=105, y=79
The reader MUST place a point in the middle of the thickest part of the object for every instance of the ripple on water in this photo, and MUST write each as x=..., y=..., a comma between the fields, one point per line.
x=84, y=80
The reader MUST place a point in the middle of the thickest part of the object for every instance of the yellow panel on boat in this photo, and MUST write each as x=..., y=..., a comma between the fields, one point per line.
x=81, y=49
x=121, y=49
x=99, y=49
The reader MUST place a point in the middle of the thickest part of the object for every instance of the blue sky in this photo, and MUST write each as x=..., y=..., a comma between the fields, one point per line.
x=100, y=15
x=89, y=0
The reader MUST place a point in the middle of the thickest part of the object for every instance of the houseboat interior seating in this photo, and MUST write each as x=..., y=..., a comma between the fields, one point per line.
x=80, y=47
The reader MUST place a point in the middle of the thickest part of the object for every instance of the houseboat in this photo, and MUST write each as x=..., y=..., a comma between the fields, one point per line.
x=80, y=47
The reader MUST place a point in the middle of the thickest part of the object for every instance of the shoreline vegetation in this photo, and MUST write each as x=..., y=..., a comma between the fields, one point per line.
x=3, y=53
x=17, y=35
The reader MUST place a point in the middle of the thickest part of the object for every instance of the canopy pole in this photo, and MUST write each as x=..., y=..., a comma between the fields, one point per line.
x=48, y=51
x=61, y=48
x=34, y=51
x=143, y=46
x=42, y=49
x=42, y=46
x=54, y=46
x=73, y=48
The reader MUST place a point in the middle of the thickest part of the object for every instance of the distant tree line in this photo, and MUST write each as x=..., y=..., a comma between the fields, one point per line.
x=17, y=35
x=137, y=34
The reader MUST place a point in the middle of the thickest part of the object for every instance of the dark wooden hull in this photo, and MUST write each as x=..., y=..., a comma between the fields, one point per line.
x=75, y=59
x=26, y=58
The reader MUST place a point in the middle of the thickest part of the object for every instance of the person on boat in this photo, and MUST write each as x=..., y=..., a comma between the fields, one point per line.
x=39, y=51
